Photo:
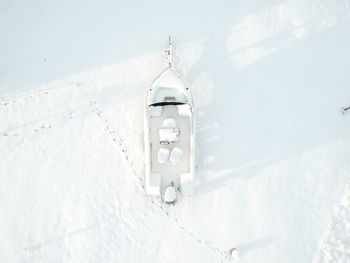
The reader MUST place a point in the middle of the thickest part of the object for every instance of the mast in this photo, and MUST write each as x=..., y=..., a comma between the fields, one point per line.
x=169, y=52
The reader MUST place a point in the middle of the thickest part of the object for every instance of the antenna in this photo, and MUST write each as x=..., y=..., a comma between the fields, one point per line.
x=169, y=52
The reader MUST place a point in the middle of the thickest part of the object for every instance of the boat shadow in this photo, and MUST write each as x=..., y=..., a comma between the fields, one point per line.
x=251, y=118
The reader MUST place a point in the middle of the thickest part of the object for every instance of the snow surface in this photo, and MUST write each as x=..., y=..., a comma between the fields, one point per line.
x=268, y=79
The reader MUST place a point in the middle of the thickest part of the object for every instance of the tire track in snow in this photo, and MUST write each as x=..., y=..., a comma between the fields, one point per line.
x=120, y=144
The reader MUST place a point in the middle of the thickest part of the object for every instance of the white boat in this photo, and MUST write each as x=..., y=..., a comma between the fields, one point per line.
x=169, y=136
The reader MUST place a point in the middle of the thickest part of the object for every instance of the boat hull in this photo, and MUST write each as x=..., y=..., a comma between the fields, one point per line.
x=169, y=136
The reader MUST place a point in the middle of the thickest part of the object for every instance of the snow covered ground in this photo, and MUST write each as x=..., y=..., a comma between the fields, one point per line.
x=268, y=79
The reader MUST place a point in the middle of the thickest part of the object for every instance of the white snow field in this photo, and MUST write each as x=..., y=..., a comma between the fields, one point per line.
x=268, y=79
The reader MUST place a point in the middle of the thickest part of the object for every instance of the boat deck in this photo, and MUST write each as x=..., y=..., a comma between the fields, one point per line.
x=170, y=172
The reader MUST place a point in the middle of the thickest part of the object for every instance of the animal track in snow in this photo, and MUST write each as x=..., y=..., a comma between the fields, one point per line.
x=120, y=143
